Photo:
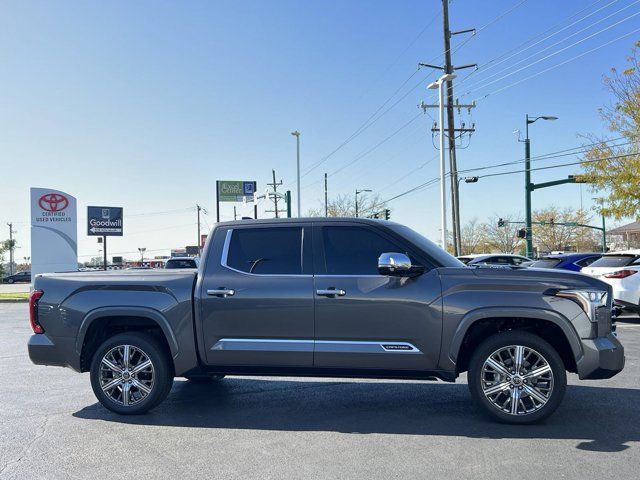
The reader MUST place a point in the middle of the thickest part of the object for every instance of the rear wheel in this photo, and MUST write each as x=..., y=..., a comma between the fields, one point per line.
x=517, y=377
x=131, y=373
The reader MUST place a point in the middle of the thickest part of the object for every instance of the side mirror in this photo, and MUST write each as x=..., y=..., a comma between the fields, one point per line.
x=397, y=264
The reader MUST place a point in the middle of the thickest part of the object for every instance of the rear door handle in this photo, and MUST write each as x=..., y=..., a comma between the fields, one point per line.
x=331, y=292
x=221, y=292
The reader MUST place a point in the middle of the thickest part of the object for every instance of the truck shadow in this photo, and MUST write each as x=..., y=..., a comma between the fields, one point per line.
x=601, y=419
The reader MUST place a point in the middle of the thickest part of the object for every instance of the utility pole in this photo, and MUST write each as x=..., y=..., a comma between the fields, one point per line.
x=448, y=68
x=198, y=208
x=11, y=232
x=326, y=200
x=299, y=200
x=275, y=196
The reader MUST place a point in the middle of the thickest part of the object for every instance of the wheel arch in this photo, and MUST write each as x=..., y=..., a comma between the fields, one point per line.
x=101, y=323
x=479, y=324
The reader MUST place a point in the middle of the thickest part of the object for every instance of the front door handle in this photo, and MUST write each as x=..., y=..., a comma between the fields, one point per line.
x=331, y=292
x=221, y=292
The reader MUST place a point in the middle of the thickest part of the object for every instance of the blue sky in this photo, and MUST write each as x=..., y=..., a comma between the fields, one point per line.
x=145, y=104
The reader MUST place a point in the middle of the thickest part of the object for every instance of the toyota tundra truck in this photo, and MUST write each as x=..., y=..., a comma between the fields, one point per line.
x=347, y=297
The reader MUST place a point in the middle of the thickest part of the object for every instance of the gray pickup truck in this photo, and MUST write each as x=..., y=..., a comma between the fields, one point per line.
x=328, y=297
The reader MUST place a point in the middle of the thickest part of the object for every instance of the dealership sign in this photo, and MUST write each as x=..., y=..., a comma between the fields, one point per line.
x=235, y=191
x=104, y=221
x=54, y=231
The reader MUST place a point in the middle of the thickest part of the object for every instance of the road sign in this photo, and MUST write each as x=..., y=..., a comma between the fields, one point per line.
x=235, y=191
x=104, y=221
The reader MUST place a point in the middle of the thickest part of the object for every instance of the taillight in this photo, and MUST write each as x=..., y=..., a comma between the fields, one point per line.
x=620, y=274
x=33, y=311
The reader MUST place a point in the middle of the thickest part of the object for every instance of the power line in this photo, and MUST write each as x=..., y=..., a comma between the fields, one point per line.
x=588, y=27
x=433, y=181
x=519, y=49
x=557, y=65
x=377, y=145
x=552, y=54
x=549, y=156
x=581, y=162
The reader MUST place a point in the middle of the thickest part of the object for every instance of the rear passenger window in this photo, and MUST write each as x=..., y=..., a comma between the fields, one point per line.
x=585, y=262
x=354, y=250
x=266, y=250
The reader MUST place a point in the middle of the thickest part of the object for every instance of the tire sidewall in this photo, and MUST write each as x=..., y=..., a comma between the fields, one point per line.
x=163, y=379
x=528, y=340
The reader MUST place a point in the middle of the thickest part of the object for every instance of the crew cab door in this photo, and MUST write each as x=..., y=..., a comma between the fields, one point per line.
x=367, y=320
x=256, y=296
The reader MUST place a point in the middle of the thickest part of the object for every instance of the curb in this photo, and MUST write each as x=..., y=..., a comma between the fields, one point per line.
x=14, y=300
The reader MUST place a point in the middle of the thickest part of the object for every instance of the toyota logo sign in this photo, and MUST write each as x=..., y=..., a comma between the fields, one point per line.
x=53, y=202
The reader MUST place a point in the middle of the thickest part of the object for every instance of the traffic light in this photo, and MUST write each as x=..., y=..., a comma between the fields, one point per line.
x=552, y=221
x=522, y=233
x=387, y=214
x=500, y=222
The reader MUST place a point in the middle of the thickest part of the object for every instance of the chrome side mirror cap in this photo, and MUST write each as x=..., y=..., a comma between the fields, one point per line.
x=393, y=263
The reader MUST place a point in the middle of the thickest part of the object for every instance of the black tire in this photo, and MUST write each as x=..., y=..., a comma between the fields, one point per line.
x=204, y=378
x=530, y=341
x=162, y=372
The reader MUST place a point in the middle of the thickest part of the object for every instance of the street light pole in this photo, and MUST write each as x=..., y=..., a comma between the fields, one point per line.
x=443, y=189
x=527, y=182
x=358, y=192
x=297, y=135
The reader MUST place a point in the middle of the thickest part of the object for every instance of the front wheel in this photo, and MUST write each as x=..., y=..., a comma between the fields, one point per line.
x=131, y=373
x=517, y=377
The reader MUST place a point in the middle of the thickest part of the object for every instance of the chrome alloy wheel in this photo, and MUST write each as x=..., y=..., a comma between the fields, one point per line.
x=126, y=375
x=517, y=380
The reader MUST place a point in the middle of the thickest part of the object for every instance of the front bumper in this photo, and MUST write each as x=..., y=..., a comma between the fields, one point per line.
x=58, y=351
x=603, y=357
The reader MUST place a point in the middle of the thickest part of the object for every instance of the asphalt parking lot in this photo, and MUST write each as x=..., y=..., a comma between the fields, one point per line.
x=52, y=427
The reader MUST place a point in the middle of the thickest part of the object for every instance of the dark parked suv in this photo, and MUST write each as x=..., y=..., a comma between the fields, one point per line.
x=328, y=297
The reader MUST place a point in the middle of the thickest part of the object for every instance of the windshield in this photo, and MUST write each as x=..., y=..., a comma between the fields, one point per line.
x=614, y=261
x=181, y=264
x=438, y=254
x=546, y=263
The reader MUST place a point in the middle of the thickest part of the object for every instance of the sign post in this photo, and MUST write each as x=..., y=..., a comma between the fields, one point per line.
x=104, y=222
x=234, y=191
x=54, y=232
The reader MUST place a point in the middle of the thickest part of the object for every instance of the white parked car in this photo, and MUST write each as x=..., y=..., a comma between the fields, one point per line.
x=621, y=270
x=495, y=260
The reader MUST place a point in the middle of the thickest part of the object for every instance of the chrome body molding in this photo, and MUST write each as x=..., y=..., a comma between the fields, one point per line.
x=320, y=346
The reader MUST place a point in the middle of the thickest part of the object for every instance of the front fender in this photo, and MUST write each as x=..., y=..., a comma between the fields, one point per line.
x=484, y=313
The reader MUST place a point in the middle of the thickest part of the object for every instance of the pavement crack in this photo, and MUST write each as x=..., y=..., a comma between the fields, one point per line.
x=42, y=430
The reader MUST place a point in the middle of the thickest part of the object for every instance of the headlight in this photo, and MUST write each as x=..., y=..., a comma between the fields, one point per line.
x=589, y=300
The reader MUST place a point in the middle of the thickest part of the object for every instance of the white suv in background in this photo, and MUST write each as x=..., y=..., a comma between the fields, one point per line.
x=621, y=270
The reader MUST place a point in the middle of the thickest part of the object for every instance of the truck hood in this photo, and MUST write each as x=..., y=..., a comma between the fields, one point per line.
x=520, y=277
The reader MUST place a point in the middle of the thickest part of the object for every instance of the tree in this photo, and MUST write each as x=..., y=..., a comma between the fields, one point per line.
x=345, y=206
x=617, y=179
x=472, y=236
x=504, y=239
x=553, y=237
x=3, y=248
